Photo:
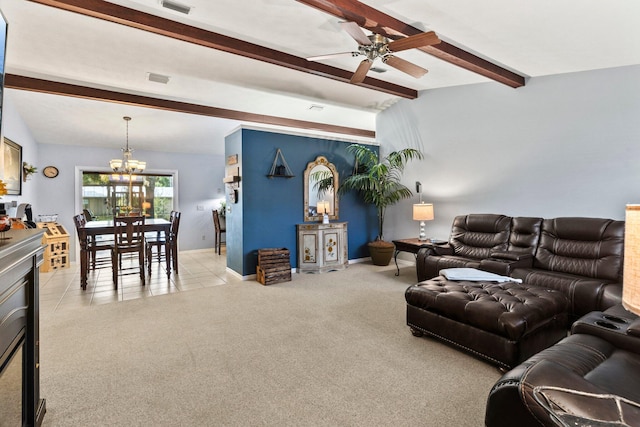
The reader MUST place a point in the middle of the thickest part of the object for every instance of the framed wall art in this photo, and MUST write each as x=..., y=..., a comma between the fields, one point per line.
x=12, y=166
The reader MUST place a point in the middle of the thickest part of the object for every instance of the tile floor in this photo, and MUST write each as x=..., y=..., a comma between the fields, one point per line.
x=60, y=289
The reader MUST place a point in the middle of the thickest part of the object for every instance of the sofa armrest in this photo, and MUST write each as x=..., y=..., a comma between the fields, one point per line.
x=443, y=250
x=421, y=259
x=511, y=256
x=623, y=332
x=634, y=328
x=504, y=263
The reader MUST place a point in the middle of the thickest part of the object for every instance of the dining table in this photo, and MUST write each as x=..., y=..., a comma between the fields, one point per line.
x=105, y=227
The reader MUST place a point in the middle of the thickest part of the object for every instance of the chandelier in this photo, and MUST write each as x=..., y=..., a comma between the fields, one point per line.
x=127, y=165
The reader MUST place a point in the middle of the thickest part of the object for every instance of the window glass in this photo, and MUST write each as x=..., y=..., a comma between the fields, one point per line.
x=103, y=194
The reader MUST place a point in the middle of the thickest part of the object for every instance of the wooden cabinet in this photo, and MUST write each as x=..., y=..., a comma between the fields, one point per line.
x=322, y=247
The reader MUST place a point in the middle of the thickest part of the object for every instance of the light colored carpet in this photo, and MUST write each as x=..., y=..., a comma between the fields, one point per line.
x=321, y=350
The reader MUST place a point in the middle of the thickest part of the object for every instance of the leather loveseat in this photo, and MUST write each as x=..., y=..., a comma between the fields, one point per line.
x=582, y=378
x=580, y=257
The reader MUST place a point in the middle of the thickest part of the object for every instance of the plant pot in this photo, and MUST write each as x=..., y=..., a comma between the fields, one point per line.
x=381, y=252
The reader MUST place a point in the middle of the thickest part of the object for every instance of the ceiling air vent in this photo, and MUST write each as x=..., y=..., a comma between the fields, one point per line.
x=175, y=6
x=158, y=78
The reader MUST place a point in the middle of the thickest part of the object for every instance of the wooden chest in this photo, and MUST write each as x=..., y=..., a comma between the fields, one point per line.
x=56, y=251
x=274, y=266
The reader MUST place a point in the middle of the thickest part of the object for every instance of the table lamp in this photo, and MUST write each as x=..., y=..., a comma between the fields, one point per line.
x=422, y=212
x=631, y=268
x=324, y=208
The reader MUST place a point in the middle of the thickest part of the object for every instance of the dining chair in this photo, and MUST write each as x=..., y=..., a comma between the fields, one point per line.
x=128, y=238
x=88, y=215
x=170, y=244
x=219, y=230
x=93, y=245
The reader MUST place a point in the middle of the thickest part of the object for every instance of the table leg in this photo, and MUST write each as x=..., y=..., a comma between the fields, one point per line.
x=84, y=260
x=395, y=259
x=168, y=255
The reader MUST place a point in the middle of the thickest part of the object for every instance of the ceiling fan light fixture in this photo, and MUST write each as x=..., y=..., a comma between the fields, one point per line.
x=316, y=107
x=177, y=7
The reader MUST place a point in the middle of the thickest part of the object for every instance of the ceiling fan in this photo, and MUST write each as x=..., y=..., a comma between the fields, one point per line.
x=378, y=46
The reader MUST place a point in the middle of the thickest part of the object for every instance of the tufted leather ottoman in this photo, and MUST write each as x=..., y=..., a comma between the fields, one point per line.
x=504, y=323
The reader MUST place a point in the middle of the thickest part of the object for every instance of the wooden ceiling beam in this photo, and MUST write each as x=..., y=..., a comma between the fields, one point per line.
x=13, y=81
x=381, y=23
x=143, y=21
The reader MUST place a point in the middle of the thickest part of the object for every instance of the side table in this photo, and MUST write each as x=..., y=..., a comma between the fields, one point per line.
x=411, y=246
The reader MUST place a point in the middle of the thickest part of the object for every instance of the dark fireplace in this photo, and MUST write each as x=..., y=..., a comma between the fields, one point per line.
x=11, y=391
x=21, y=257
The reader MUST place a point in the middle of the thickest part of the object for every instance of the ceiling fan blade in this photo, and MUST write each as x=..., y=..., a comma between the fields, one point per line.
x=356, y=32
x=419, y=40
x=405, y=66
x=361, y=72
x=331, y=55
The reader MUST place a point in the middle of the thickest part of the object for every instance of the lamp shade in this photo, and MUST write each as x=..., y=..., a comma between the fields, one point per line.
x=423, y=212
x=323, y=207
x=631, y=275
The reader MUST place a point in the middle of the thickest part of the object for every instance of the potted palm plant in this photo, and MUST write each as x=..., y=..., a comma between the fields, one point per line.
x=378, y=182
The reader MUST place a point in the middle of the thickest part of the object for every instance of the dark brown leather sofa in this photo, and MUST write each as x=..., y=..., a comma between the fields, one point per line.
x=577, y=379
x=568, y=267
x=580, y=257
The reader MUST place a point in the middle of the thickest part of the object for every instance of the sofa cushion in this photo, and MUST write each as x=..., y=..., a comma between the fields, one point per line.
x=588, y=247
x=433, y=264
x=525, y=235
x=585, y=294
x=477, y=235
x=507, y=309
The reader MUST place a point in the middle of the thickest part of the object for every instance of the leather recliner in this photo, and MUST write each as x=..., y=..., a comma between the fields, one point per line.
x=579, y=378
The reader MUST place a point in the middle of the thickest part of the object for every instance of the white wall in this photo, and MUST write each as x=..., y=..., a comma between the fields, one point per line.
x=564, y=145
x=14, y=128
x=199, y=178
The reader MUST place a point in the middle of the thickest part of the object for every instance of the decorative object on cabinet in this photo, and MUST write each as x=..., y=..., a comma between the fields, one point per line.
x=280, y=170
x=378, y=182
x=422, y=212
x=27, y=171
x=56, y=251
x=50, y=171
x=12, y=164
x=5, y=225
x=274, y=266
x=320, y=182
x=324, y=210
x=322, y=247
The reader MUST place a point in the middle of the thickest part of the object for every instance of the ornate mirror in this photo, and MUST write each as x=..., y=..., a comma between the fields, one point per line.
x=320, y=183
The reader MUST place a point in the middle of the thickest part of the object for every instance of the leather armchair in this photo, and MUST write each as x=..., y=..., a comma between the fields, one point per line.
x=595, y=360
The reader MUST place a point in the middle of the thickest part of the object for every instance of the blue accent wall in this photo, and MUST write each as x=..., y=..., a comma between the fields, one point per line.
x=269, y=208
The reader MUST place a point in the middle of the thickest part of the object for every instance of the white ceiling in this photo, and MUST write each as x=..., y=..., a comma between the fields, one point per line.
x=531, y=38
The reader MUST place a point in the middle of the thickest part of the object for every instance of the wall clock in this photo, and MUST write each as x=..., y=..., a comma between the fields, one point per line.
x=50, y=171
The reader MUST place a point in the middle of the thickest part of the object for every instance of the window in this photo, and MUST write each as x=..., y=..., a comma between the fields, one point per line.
x=105, y=193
